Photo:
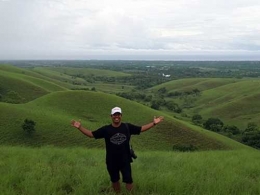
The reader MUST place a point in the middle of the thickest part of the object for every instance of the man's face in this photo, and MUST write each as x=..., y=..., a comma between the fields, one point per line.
x=116, y=118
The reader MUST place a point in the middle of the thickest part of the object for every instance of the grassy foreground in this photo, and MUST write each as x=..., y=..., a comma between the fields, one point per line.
x=52, y=170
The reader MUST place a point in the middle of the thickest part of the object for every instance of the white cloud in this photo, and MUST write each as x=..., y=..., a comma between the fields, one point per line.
x=78, y=29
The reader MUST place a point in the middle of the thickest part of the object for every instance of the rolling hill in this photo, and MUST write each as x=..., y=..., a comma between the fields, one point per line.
x=53, y=112
x=54, y=106
x=20, y=87
x=234, y=101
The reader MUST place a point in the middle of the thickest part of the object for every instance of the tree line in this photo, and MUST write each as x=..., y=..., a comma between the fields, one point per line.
x=249, y=136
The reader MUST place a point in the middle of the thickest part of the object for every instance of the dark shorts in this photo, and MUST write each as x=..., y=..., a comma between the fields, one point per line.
x=114, y=170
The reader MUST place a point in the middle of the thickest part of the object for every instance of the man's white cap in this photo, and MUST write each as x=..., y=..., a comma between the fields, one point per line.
x=115, y=110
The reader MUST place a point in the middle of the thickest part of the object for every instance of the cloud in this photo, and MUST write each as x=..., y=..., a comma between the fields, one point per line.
x=72, y=29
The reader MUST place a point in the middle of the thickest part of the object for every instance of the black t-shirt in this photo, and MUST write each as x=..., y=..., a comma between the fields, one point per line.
x=117, y=141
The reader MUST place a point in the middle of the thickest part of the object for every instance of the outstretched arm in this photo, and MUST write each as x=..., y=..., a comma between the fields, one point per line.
x=77, y=124
x=156, y=120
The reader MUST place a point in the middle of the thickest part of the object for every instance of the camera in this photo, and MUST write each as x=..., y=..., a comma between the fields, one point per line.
x=132, y=152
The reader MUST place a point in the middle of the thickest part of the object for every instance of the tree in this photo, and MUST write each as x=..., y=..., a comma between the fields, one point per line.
x=13, y=97
x=214, y=124
x=251, y=127
x=155, y=105
x=162, y=90
x=171, y=105
x=197, y=119
x=174, y=94
x=196, y=91
x=148, y=98
x=251, y=136
x=231, y=129
x=29, y=126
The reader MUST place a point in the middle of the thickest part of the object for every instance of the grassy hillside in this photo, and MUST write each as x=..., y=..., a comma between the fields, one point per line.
x=53, y=107
x=24, y=88
x=49, y=72
x=235, y=101
x=30, y=74
x=85, y=78
x=202, y=84
x=53, y=113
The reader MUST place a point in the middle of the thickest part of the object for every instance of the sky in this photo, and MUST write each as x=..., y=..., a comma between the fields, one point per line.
x=130, y=29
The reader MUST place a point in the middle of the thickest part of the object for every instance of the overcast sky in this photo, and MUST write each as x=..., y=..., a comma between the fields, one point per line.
x=130, y=29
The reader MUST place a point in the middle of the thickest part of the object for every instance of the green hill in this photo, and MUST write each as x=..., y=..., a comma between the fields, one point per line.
x=30, y=74
x=85, y=78
x=235, y=101
x=20, y=87
x=53, y=113
x=53, y=106
x=201, y=84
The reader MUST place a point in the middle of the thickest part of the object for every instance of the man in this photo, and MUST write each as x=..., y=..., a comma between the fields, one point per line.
x=117, y=136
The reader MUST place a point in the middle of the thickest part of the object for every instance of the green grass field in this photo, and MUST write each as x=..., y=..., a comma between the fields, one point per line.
x=51, y=170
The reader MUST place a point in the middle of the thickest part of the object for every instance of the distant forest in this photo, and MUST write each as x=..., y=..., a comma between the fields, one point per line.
x=147, y=74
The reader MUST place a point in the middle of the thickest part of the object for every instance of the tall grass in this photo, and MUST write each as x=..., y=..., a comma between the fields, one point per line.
x=50, y=170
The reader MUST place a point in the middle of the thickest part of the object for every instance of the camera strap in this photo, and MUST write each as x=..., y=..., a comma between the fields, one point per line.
x=132, y=153
x=128, y=134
